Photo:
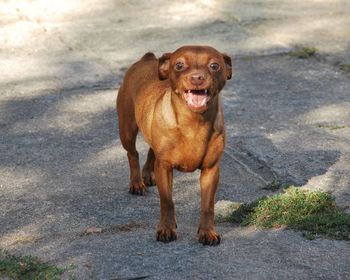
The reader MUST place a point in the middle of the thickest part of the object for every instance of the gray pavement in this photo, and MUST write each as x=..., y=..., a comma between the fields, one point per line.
x=63, y=170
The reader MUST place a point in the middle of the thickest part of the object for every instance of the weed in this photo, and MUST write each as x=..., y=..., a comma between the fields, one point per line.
x=304, y=52
x=333, y=126
x=27, y=267
x=314, y=213
x=345, y=67
x=273, y=186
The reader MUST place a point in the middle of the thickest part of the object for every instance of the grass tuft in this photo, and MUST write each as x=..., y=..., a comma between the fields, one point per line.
x=314, y=213
x=27, y=268
x=273, y=186
x=345, y=67
x=333, y=126
x=304, y=52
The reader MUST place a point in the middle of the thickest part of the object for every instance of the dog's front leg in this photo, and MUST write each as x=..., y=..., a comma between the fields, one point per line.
x=166, y=231
x=209, y=181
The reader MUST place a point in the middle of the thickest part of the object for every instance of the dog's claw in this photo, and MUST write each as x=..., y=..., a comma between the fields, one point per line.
x=209, y=237
x=166, y=235
x=149, y=178
x=138, y=188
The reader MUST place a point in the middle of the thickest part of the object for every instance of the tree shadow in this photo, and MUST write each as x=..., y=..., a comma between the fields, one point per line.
x=63, y=140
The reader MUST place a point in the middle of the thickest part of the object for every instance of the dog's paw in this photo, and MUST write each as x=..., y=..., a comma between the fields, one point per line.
x=137, y=188
x=166, y=234
x=148, y=178
x=209, y=237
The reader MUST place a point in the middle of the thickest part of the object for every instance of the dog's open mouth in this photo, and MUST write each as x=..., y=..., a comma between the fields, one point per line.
x=197, y=99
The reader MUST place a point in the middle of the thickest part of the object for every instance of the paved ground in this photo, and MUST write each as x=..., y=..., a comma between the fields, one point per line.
x=62, y=168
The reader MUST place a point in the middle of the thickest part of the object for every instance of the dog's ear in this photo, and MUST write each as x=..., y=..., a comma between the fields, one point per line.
x=163, y=66
x=228, y=64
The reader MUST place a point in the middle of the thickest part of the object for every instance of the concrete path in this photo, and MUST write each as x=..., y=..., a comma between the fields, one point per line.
x=63, y=170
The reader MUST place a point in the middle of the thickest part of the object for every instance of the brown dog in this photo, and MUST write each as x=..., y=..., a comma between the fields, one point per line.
x=174, y=101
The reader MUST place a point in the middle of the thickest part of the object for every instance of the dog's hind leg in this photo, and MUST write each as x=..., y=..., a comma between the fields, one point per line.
x=128, y=131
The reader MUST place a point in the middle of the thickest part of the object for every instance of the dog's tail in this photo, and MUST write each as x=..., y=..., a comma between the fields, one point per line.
x=149, y=56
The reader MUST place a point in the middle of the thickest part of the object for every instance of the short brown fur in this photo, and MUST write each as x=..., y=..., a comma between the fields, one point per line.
x=186, y=138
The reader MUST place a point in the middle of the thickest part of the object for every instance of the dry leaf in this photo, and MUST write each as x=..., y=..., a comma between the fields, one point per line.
x=93, y=230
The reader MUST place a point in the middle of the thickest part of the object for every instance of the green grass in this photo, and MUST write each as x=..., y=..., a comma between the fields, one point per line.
x=345, y=67
x=274, y=185
x=27, y=268
x=333, y=126
x=304, y=52
x=314, y=213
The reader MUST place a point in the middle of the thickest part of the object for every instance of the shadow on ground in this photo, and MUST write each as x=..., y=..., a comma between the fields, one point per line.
x=64, y=170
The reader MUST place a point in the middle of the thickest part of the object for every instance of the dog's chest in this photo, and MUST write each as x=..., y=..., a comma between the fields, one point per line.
x=188, y=150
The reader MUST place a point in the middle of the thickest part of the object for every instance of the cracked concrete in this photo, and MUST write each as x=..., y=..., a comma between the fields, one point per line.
x=63, y=170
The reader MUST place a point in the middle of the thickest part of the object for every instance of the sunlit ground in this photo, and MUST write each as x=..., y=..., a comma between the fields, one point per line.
x=66, y=58
x=323, y=23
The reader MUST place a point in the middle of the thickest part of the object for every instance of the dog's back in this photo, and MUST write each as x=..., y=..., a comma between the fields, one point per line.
x=141, y=73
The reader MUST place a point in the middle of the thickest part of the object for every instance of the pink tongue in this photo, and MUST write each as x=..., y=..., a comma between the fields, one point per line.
x=196, y=100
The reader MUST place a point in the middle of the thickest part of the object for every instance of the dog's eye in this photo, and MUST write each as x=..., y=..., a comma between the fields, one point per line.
x=179, y=66
x=214, y=66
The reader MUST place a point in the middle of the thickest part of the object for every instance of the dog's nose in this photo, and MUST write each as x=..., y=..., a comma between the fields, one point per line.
x=197, y=79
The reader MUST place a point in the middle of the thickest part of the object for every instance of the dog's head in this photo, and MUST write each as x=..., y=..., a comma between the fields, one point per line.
x=196, y=73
